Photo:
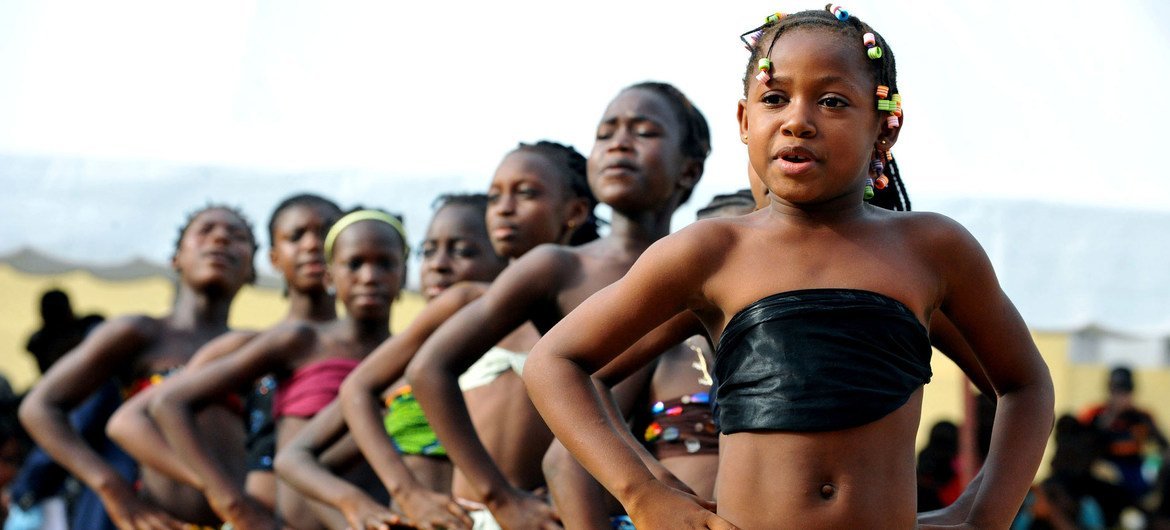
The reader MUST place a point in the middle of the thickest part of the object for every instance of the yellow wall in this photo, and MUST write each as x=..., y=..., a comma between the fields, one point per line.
x=254, y=307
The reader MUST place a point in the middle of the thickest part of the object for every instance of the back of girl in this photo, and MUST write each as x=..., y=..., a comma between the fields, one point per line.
x=213, y=258
x=822, y=355
x=650, y=150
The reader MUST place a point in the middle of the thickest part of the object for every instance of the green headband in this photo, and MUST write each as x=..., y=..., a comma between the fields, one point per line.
x=363, y=215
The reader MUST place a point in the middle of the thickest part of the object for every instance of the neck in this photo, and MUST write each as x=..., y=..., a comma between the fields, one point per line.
x=838, y=209
x=316, y=307
x=200, y=309
x=637, y=230
x=369, y=332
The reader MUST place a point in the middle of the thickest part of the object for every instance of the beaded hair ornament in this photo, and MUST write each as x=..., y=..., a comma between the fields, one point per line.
x=885, y=101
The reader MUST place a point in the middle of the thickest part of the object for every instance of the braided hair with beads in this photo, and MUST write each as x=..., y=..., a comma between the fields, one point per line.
x=760, y=41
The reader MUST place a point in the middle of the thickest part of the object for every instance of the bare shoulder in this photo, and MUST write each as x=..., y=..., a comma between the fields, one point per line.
x=290, y=335
x=542, y=266
x=133, y=327
x=222, y=345
x=936, y=234
x=698, y=242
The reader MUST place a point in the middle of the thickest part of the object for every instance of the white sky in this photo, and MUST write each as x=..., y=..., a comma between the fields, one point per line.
x=389, y=103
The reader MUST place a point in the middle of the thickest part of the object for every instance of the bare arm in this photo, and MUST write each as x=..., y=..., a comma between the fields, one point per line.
x=298, y=463
x=134, y=430
x=608, y=323
x=175, y=404
x=459, y=342
x=45, y=410
x=361, y=403
x=1003, y=345
x=945, y=337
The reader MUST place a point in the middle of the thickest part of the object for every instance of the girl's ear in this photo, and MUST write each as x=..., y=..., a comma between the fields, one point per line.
x=889, y=135
x=741, y=115
x=272, y=256
x=692, y=170
x=577, y=211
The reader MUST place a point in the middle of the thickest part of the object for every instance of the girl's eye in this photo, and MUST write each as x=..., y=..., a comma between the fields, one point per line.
x=527, y=191
x=428, y=251
x=834, y=102
x=465, y=251
x=354, y=264
x=493, y=197
x=647, y=132
x=772, y=98
x=605, y=133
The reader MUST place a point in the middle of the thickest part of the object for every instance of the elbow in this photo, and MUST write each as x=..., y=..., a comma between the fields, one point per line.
x=284, y=462
x=421, y=373
x=32, y=411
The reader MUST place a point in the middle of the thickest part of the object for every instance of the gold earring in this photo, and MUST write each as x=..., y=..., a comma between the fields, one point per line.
x=572, y=224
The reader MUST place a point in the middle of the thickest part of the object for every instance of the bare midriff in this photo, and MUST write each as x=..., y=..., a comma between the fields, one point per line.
x=863, y=477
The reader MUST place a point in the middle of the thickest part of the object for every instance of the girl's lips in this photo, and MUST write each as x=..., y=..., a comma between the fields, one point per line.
x=434, y=290
x=791, y=167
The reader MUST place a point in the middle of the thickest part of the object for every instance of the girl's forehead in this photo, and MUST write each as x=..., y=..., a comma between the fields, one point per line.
x=641, y=104
x=367, y=234
x=524, y=165
x=820, y=53
x=455, y=221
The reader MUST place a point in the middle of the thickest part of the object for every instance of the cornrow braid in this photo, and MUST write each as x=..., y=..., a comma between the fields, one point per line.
x=883, y=69
x=478, y=201
x=573, y=170
x=303, y=199
x=696, y=141
x=741, y=198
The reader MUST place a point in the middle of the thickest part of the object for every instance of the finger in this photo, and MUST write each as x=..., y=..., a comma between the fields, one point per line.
x=718, y=523
x=460, y=515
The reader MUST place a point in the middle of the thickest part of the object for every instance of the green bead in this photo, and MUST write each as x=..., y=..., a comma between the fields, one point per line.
x=886, y=105
x=868, y=192
x=772, y=19
x=765, y=64
x=875, y=52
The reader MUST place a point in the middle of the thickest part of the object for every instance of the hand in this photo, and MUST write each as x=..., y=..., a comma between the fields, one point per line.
x=362, y=513
x=242, y=511
x=429, y=510
x=524, y=511
x=128, y=512
x=658, y=505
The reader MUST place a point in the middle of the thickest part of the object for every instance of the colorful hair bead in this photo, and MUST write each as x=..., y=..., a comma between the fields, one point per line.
x=876, y=167
x=886, y=105
x=893, y=122
x=874, y=52
x=869, y=40
x=773, y=18
x=883, y=91
x=868, y=189
x=889, y=155
x=764, y=65
x=838, y=12
x=897, y=98
x=881, y=182
x=897, y=112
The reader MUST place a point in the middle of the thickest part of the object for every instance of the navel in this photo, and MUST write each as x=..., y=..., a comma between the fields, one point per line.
x=828, y=491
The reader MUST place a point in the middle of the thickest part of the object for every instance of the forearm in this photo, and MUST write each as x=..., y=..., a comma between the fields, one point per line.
x=299, y=466
x=138, y=435
x=565, y=396
x=49, y=427
x=176, y=421
x=1023, y=422
x=436, y=387
x=362, y=411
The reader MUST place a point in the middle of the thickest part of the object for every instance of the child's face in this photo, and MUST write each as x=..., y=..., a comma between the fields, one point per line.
x=298, y=246
x=456, y=249
x=527, y=204
x=812, y=129
x=215, y=252
x=367, y=269
x=636, y=163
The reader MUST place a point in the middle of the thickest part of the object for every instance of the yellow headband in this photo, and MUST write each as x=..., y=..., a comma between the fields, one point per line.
x=357, y=217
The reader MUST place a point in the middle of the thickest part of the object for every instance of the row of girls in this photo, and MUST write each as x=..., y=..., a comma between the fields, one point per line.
x=483, y=414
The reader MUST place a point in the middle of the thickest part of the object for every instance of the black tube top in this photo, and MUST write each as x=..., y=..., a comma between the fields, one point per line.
x=818, y=360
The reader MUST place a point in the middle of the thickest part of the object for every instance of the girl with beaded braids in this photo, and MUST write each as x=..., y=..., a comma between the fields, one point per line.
x=819, y=370
x=213, y=260
x=364, y=255
x=650, y=151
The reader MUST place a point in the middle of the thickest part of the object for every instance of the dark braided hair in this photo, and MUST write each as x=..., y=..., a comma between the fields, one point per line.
x=572, y=165
x=741, y=198
x=884, y=71
x=304, y=199
x=696, y=140
x=479, y=201
x=232, y=210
